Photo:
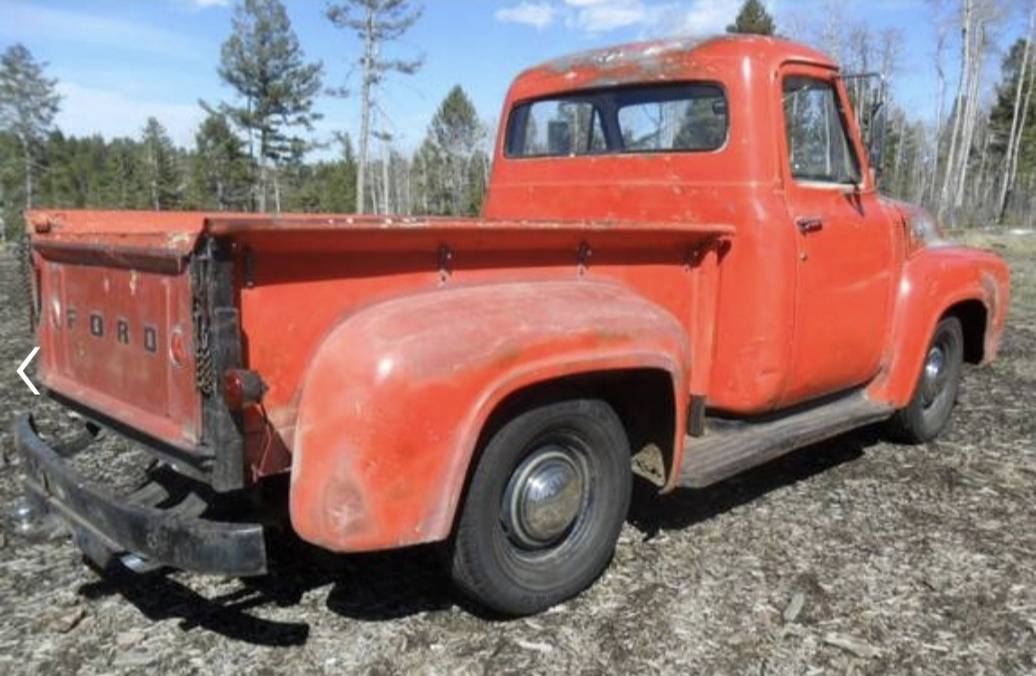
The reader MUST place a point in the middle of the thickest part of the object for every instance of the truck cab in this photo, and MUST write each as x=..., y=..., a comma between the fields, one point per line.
x=683, y=261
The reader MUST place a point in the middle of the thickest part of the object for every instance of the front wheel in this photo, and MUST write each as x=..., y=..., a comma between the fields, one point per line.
x=936, y=391
x=544, y=507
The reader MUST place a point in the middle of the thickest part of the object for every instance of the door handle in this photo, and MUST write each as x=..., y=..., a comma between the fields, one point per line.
x=809, y=224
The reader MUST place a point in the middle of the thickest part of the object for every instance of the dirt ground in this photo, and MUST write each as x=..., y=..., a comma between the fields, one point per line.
x=854, y=556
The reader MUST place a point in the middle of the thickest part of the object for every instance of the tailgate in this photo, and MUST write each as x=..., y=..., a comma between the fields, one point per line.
x=115, y=325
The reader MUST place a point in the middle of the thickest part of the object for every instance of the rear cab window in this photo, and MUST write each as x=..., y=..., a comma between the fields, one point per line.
x=683, y=117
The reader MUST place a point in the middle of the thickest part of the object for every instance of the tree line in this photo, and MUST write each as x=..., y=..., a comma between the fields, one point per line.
x=250, y=151
x=976, y=164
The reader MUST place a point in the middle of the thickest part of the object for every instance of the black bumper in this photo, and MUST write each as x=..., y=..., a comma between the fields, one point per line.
x=101, y=521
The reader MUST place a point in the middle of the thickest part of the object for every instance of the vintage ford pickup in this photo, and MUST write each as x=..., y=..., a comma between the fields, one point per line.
x=683, y=259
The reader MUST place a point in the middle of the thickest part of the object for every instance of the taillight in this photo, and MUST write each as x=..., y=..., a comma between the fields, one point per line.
x=242, y=388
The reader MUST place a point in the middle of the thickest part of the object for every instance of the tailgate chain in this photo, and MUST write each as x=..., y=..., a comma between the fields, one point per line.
x=28, y=275
x=203, y=375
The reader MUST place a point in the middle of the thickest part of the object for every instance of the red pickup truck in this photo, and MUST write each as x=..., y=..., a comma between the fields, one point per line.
x=683, y=260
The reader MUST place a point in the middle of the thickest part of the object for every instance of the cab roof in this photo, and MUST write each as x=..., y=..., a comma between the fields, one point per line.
x=662, y=60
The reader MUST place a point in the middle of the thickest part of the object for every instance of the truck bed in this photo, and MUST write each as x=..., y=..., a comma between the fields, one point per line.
x=137, y=285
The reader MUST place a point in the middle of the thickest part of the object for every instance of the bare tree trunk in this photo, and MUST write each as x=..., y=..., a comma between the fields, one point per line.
x=971, y=112
x=940, y=109
x=1012, y=169
x=153, y=179
x=3, y=223
x=898, y=157
x=27, y=150
x=407, y=205
x=386, y=205
x=375, y=200
x=264, y=171
x=1030, y=219
x=424, y=186
x=978, y=191
x=263, y=179
x=369, y=48
x=958, y=111
x=276, y=190
x=1014, y=138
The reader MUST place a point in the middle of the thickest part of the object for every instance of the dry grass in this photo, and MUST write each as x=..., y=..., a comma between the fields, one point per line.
x=854, y=556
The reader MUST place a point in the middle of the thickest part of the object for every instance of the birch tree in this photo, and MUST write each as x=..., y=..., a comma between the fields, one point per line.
x=28, y=104
x=375, y=22
x=1015, y=133
x=977, y=18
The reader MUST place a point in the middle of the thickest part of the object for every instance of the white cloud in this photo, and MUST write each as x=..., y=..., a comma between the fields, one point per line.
x=89, y=110
x=21, y=22
x=653, y=18
x=704, y=17
x=601, y=16
x=536, y=14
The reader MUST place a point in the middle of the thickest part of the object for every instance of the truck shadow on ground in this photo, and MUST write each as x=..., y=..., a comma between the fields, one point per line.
x=391, y=585
x=651, y=513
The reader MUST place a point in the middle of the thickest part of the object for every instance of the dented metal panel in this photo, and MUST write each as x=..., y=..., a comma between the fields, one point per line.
x=386, y=342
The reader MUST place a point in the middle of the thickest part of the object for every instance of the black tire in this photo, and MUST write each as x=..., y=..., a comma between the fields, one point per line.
x=492, y=558
x=934, y=395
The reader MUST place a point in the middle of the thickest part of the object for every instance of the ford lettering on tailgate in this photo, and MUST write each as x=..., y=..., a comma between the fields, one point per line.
x=122, y=336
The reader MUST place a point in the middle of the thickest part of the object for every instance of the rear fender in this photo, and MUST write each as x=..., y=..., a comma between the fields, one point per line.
x=933, y=281
x=394, y=401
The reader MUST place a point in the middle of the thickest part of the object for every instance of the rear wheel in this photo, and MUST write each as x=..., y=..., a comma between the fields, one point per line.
x=544, y=507
x=936, y=391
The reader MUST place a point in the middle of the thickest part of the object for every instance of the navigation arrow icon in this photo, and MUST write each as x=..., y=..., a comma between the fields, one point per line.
x=21, y=370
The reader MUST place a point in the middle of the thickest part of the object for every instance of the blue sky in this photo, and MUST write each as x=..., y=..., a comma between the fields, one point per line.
x=119, y=61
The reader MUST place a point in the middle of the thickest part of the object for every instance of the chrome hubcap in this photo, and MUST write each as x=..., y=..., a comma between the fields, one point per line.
x=932, y=380
x=544, y=496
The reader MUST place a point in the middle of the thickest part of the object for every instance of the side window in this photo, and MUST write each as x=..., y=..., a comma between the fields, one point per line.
x=818, y=142
x=562, y=128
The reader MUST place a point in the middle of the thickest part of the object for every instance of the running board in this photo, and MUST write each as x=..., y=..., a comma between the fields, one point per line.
x=732, y=447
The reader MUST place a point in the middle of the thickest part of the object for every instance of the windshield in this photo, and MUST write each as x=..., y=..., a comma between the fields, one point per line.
x=669, y=118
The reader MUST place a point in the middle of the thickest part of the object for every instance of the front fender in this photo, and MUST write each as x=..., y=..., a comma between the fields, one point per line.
x=395, y=398
x=934, y=280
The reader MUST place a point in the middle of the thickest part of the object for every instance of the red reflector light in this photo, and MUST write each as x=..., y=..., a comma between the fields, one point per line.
x=242, y=388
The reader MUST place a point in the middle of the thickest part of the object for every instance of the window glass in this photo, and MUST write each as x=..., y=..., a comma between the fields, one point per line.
x=562, y=127
x=683, y=123
x=681, y=117
x=818, y=143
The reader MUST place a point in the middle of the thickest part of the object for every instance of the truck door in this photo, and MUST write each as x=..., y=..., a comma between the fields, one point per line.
x=845, y=244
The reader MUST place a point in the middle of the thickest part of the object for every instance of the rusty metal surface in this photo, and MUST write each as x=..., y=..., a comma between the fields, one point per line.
x=106, y=334
x=688, y=262
x=385, y=433
x=163, y=536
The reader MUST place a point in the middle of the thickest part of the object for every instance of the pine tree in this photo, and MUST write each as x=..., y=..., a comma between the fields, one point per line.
x=454, y=136
x=263, y=61
x=753, y=18
x=375, y=22
x=221, y=170
x=124, y=176
x=28, y=104
x=161, y=168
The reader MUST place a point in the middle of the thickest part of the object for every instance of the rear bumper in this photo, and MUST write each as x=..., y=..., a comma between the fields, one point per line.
x=104, y=523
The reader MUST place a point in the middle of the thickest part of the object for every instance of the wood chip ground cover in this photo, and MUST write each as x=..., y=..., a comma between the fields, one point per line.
x=854, y=556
